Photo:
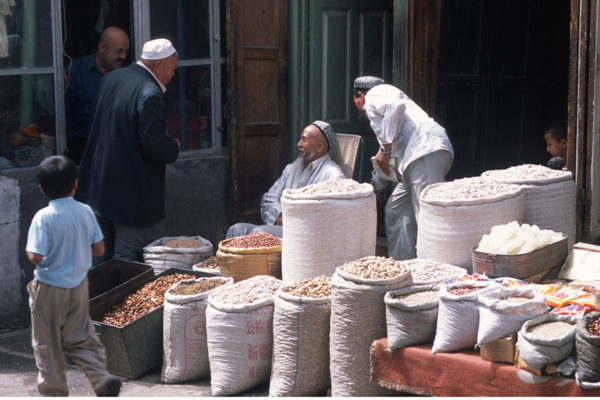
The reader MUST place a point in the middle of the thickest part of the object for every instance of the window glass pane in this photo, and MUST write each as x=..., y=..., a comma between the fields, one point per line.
x=185, y=23
x=25, y=33
x=189, y=107
x=27, y=127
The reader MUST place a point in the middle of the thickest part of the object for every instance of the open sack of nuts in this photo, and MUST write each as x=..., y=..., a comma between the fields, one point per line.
x=177, y=252
x=184, y=329
x=358, y=318
x=301, y=338
x=250, y=255
x=587, y=347
x=239, y=328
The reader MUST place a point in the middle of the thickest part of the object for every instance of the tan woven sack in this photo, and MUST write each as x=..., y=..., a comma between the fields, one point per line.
x=244, y=263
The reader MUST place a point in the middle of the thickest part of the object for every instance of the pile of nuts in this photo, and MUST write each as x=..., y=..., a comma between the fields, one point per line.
x=197, y=286
x=338, y=185
x=211, y=263
x=248, y=291
x=552, y=330
x=431, y=271
x=315, y=287
x=425, y=296
x=515, y=300
x=461, y=291
x=185, y=244
x=473, y=188
x=525, y=172
x=594, y=327
x=374, y=267
x=253, y=241
x=144, y=300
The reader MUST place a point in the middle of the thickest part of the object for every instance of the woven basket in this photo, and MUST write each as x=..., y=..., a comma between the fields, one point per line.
x=244, y=263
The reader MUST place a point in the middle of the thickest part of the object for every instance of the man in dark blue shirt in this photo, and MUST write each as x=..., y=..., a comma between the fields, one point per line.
x=84, y=76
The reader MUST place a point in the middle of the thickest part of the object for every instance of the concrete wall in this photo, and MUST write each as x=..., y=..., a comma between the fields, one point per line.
x=196, y=205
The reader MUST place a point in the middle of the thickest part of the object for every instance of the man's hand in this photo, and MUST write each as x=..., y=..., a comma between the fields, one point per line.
x=279, y=220
x=178, y=143
x=384, y=162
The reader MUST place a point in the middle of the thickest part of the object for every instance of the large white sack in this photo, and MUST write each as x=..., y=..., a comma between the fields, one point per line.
x=550, y=196
x=537, y=351
x=450, y=229
x=498, y=319
x=323, y=231
x=185, y=353
x=162, y=258
x=300, y=346
x=357, y=319
x=240, y=340
x=458, y=317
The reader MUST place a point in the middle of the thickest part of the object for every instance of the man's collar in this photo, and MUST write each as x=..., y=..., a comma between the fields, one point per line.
x=162, y=87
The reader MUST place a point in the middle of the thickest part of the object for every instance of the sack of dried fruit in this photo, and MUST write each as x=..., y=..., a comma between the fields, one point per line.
x=550, y=196
x=250, y=255
x=326, y=224
x=358, y=318
x=458, y=315
x=411, y=315
x=185, y=353
x=503, y=311
x=587, y=347
x=301, y=339
x=239, y=329
x=545, y=339
x=177, y=252
x=455, y=215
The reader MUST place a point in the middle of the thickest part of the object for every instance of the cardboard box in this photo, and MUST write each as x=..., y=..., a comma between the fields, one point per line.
x=500, y=350
x=582, y=263
x=520, y=363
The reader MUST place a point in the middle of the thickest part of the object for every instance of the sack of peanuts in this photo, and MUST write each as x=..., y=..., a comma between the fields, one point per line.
x=301, y=339
x=455, y=215
x=546, y=339
x=503, y=311
x=250, y=255
x=177, y=252
x=210, y=266
x=358, y=318
x=458, y=315
x=327, y=224
x=550, y=196
x=411, y=315
x=185, y=353
x=587, y=348
x=239, y=330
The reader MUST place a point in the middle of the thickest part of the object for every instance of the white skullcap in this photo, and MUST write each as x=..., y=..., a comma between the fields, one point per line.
x=365, y=83
x=157, y=49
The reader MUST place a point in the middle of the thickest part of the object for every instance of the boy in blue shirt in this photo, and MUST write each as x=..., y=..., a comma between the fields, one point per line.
x=62, y=239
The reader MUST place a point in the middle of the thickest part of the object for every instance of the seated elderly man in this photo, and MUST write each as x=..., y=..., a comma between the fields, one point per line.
x=313, y=165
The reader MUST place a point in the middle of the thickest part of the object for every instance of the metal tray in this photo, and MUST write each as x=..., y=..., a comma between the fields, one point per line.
x=520, y=265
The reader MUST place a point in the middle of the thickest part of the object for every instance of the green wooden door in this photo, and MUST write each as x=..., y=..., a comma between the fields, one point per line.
x=346, y=38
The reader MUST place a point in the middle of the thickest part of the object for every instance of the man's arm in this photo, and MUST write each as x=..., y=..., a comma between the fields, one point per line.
x=270, y=203
x=34, y=257
x=98, y=248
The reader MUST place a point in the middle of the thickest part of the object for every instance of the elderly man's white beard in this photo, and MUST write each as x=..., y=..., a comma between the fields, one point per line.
x=307, y=158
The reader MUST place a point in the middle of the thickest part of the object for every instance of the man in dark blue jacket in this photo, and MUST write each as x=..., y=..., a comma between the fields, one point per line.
x=122, y=172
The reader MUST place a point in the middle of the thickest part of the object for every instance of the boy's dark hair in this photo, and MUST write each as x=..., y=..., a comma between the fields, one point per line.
x=558, y=130
x=56, y=175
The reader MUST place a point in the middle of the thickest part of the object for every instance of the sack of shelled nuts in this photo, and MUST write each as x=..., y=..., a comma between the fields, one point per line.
x=455, y=215
x=546, y=339
x=587, y=347
x=358, y=318
x=239, y=329
x=429, y=272
x=177, y=252
x=503, y=311
x=250, y=255
x=210, y=266
x=411, y=315
x=184, y=329
x=550, y=196
x=458, y=316
x=301, y=338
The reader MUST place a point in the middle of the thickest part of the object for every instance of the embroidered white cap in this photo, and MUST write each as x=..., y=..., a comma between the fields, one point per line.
x=157, y=49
